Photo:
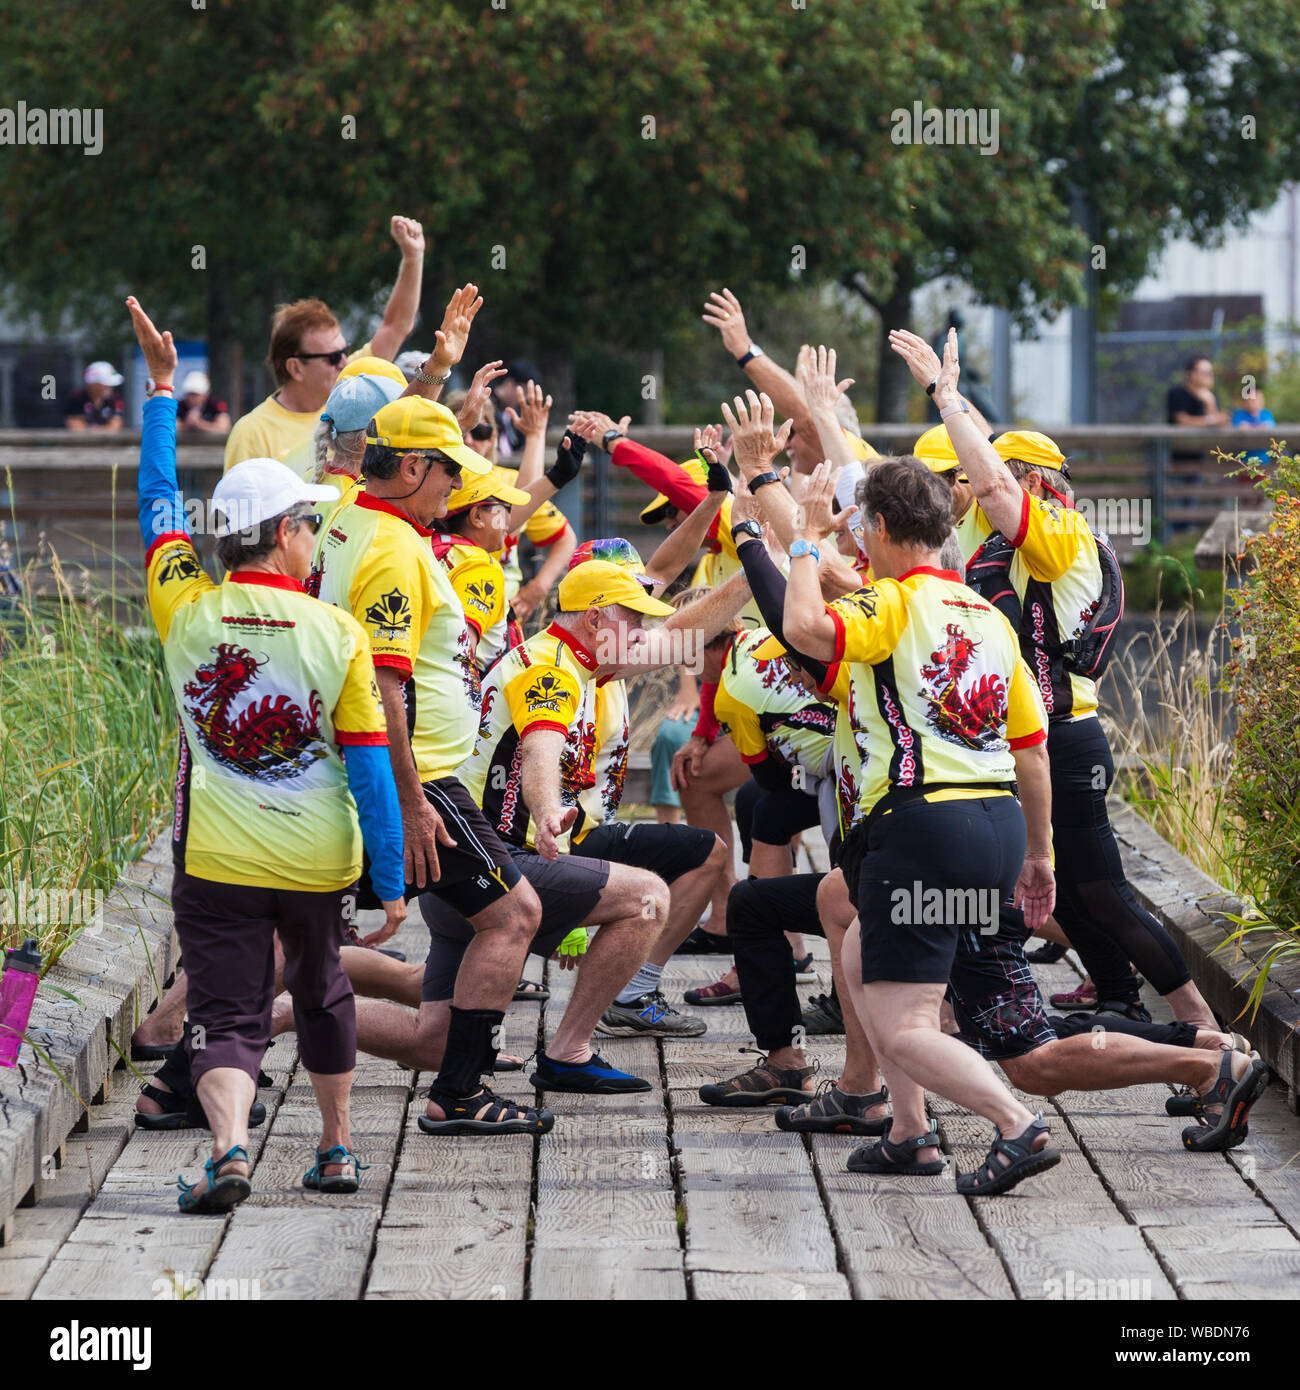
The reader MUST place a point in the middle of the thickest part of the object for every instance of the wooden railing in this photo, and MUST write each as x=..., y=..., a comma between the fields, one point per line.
x=75, y=496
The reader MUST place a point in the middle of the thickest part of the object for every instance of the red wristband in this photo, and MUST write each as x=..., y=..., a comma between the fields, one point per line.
x=158, y=386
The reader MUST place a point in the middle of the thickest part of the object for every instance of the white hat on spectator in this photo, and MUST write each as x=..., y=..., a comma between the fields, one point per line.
x=410, y=362
x=256, y=489
x=102, y=374
x=196, y=383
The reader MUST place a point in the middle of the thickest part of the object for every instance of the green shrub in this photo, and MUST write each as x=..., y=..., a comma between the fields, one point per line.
x=1158, y=576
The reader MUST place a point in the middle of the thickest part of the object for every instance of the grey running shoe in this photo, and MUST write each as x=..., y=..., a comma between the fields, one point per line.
x=823, y=1015
x=651, y=1016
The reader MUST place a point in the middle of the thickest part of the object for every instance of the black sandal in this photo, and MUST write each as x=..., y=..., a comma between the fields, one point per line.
x=991, y=1177
x=531, y=989
x=1214, y=1133
x=484, y=1113
x=185, y=1112
x=886, y=1157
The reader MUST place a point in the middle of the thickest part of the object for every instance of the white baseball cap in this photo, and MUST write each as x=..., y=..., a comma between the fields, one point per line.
x=257, y=489
x=196, y=382
x=102, y=374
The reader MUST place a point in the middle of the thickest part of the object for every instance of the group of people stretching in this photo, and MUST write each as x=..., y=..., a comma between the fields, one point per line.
x=894, y=649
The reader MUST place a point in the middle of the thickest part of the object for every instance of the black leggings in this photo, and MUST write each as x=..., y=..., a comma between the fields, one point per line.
x=772, y=817
x=1176, y=1034
x=759, y=913
x=1095, y=905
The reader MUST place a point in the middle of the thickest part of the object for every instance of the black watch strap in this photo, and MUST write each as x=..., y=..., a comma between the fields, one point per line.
x=750, y=527
x=607, y=439
x=929, y=390
x=762, y=479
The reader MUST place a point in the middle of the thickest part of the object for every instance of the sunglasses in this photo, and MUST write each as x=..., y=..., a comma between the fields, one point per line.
x=313, y=519
x=336, y=358
x=482, y=431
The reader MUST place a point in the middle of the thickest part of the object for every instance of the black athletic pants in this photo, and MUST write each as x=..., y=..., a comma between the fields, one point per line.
x=759, y=913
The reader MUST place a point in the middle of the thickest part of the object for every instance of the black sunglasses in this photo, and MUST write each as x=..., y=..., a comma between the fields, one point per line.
x=335, y=358
x=482, y=431
x=313, y=519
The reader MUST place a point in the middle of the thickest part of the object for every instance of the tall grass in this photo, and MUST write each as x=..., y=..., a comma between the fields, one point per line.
x=86, y=748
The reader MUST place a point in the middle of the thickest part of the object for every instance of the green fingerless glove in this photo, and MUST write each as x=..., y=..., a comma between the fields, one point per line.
x=575, y=944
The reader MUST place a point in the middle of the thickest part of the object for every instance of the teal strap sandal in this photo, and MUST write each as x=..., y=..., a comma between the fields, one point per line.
x=221, y=1193
x=316, y=1179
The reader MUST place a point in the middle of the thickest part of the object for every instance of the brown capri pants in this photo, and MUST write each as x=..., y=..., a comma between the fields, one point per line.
x=227, y=933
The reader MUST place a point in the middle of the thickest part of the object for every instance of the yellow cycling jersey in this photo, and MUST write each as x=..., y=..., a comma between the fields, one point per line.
x=765, y=711
x=481, y=586
x=378, y=565
x=547, y=683
x=543, y=528
x=850, y=743
x=600, y=801
x=268, y=685
x=1056, y=575
x=950, y=696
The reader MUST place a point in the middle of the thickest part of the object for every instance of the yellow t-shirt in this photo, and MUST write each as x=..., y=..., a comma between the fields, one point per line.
x=481, y=587
x=949, y=694
x=547, y=683
x=764, y=710
x=268, y=684
x=379, y=566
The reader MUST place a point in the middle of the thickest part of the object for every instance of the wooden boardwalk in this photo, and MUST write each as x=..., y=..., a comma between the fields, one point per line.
x=658, y=1196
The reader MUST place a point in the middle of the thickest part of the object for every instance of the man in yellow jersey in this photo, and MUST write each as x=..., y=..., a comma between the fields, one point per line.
x=376, y=561
x=532, y=760
x=307, y=353
x=270, y=687
x=960, y=721
x=1056, y=578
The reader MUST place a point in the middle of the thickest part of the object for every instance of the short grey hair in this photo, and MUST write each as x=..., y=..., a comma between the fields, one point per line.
x=950, y=556
x=257, y=542
x=334, y=445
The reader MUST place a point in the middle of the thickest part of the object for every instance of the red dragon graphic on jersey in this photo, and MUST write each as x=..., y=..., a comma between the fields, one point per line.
x=485, y=714
x=846, y=786
x=576, y=760
x=971, y=717
x=270, y=740
x=611, y=791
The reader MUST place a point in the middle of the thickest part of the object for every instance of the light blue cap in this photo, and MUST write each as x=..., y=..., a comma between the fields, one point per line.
x=354, y=402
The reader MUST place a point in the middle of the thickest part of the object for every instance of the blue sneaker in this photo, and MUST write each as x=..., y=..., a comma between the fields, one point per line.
x=594, y=1077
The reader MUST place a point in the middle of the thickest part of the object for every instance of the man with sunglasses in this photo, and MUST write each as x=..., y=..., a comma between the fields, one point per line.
x=306, y=354
x=375, y=560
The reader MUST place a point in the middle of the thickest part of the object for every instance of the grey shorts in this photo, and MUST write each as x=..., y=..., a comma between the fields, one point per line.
x=569, y=888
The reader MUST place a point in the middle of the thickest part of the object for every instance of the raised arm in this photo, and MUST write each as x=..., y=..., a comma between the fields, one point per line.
x=996, y=488
x=924, y=365
x=404, y=301
x=805, y=620
x=161, y=508
x=530, y=420
x=450, y=341
x=724, y=313
x=686, y=538
x=816, y=373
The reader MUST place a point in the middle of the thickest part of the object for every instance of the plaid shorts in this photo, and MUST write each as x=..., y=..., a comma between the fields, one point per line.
x=997, y=1004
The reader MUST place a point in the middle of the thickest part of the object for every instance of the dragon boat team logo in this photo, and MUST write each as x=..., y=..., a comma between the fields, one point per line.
x=576, y=760
x=482, y=594
x=546, y=692
x=773, y=673
x=611, y=791
x=391, y=616
x=972, y=717
x=180, y=562
x=271, y=739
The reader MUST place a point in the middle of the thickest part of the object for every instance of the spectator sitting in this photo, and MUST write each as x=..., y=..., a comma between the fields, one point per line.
x=198, y=409
x=1251, y=415
x=99, y=406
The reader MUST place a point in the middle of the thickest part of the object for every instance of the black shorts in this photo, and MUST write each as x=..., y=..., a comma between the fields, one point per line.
x=667, y=850
x=773, y=816
x=995, y=999
x=475, y=871
x=568, y=887
x=931, y=870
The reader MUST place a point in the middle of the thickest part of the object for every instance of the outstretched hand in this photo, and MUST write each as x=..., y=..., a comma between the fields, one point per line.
x=594, y=425
x=471, y=412
x=756, y=443
x=724, y=313
x=921, y=359
x=534, y=410
x=817, y=515
x=815, y=372
x=457, y=320
x=159, y=350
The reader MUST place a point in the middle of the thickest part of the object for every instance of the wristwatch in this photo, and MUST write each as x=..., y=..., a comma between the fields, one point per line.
x=607, y=439
x=803, y=547
x=422, y=375
x=762, y=479
x=754, y=351
x=929, y=390
x=749, y=526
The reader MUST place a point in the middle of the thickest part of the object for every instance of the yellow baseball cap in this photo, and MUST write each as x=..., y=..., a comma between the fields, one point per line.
x=411, y=422
x=1029, y=447
x=935, y=450
x=494, y=486
x=655, y=511
x=373, y=366
x=595, y=583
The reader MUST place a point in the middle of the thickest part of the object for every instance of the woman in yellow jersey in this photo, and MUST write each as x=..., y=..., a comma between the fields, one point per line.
x=943, y=841
x=270, y=686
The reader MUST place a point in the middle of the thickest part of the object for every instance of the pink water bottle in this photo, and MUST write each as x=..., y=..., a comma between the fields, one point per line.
x=17, y=990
